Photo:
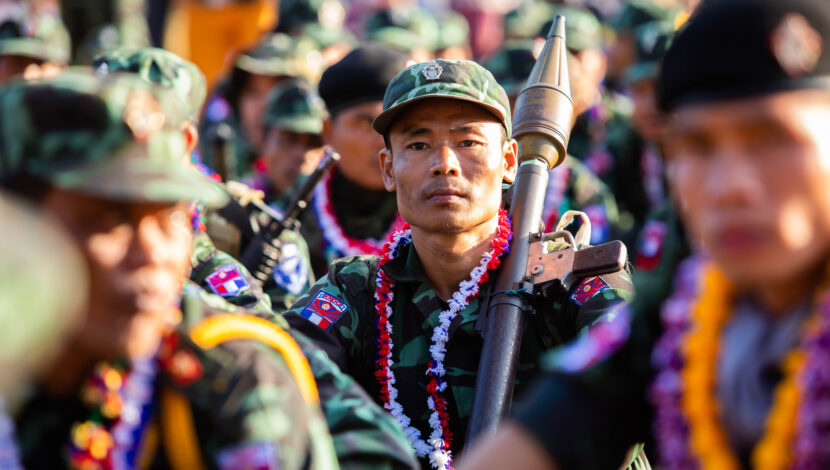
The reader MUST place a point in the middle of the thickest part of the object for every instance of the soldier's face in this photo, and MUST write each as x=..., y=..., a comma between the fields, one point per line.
x=287, y=154
x=138, y=255
x=350, y=134
x=252, y=104
x=751, y=177
x=447, y=162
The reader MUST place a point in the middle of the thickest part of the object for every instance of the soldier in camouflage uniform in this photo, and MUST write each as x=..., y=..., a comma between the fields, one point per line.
x=31, y=43
x=142, y=380
x=364, y=436
x=571, y=185
x=232, y=127
x=351, y=212
x=293, y=139
x=447, y=126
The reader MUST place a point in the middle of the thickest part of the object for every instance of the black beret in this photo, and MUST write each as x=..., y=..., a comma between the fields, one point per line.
x=361, y=76
x=737, y=48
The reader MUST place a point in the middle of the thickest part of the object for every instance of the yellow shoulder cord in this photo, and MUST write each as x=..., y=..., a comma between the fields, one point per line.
x=177, y=418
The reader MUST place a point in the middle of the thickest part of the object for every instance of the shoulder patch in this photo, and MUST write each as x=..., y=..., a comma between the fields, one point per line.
x=291, y=274
x=587, y=289
x=650, y=248
x=324, y=309
x=249, y=456
x=598, y=343
x=227, y=281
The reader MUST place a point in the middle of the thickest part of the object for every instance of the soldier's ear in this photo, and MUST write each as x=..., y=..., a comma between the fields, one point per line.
x=385, y=158
x=191, y=137
x=511, y=162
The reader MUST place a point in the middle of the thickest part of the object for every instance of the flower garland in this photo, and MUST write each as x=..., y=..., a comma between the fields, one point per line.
x=686, y=357
x=334, y=235
x=121, y=404
x=441, y=438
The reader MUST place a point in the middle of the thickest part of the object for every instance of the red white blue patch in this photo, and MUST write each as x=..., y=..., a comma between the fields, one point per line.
x=250, y=456
x=324, y=309
x=587, y=289
x=227, y=281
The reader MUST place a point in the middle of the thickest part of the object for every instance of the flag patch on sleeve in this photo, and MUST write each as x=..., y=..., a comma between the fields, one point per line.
x=588, y=288
x=324, y=309
x=227, y=281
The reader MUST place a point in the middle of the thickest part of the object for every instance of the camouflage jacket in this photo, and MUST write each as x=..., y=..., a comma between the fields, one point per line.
x=349, y=339
x=572, y=186
x=237, y=404
x=364, y=435
x=362, y=213
x=617, y=381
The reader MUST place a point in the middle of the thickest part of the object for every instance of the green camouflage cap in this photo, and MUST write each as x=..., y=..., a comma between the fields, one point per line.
x=41, y=36
x=280, y=55
x=405, y=28
x=511, y=65
x=636, y=13
x=652, y=41
x=163, y=68
x=453, y=31
x=525, y=21
x=295, y=106
x=104, y=136
x=327, y=37
x=582, y=28
x=456, y=79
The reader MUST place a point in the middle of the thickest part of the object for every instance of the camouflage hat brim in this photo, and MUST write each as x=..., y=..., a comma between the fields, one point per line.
x=299, y=124
x=34, y=49
x=384, y=120
x=142, y=180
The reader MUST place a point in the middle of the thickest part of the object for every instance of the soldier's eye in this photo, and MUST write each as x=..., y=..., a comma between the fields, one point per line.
x=417, y=146
x=468, y=143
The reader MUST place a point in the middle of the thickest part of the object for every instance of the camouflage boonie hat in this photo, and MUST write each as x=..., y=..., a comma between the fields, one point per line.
x=107, y=136
x=453, y=31
x=282, y=55
x=456, y=79
x=295, y=106
x=41, y=37
x=511, y=65
x=406, y=28
x=582, y=28
x=162, y=68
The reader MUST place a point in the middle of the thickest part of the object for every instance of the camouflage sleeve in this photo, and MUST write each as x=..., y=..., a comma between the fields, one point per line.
x=365, y=436
x=243, y=405
x=330, y=313
x=221, y=274
x=589, y=406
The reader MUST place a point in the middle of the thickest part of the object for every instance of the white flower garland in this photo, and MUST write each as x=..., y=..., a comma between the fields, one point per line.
x=334, y=234
x=437, y=448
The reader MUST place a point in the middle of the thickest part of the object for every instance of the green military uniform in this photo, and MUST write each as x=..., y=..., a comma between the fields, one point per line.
x=339, y=314
x=202, y=400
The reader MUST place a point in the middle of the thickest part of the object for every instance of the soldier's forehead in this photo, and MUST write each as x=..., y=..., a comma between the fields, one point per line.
x=441, y=112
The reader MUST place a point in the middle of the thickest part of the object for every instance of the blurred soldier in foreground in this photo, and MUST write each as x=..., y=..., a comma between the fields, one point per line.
x=351, y=212
x=738, y=377
x=34, y=252
x=146, y=365
x=403, y=322
x=364, y=436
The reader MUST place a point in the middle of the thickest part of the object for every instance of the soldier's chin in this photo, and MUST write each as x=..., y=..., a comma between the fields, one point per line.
x=143, y=334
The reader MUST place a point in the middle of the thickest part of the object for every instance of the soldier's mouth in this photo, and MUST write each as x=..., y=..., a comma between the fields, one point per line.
x=445, y=195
